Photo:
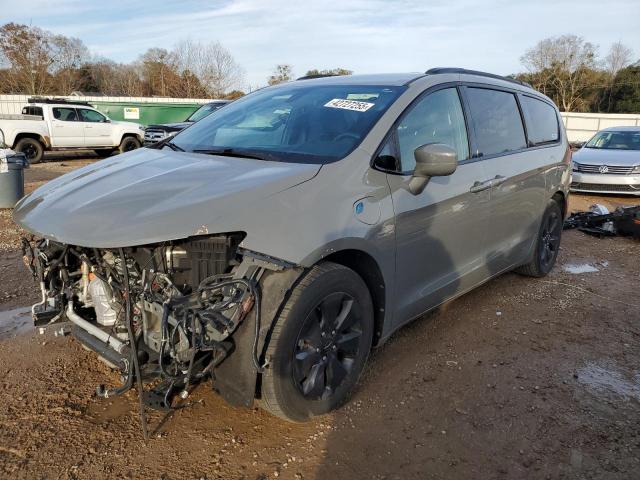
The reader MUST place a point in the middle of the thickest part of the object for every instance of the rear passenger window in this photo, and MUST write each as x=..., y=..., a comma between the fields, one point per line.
x=496, y=121
x=541, y=119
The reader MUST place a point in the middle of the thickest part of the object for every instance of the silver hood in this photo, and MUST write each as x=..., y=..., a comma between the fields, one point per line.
x=604, y=156
x=149, y=196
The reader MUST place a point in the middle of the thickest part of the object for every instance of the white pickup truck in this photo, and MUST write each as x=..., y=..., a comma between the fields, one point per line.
x=66, y=126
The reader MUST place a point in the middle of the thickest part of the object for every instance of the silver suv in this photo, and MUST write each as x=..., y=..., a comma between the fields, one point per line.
x=271, y=245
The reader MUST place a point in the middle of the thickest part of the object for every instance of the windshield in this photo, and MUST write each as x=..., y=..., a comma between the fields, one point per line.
x=204, y=110
x=308, y=124
x=615, y=140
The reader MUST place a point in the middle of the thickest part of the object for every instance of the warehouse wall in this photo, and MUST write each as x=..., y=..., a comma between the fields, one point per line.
x=582, y=126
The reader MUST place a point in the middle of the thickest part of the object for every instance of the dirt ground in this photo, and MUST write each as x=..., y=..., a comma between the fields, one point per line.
x=520, y=379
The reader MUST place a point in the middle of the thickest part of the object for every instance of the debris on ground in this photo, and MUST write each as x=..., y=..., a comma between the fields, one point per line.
x=599, y=221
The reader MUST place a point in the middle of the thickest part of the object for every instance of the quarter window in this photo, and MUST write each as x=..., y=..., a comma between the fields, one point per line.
x=496, y=121
x=65, y=114
x=437, y=118
x=541, y=120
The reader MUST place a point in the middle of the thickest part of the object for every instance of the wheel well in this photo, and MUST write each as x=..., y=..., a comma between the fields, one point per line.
x=364, y=265
x=137, y=137
x=34, y=136
x=561, y=199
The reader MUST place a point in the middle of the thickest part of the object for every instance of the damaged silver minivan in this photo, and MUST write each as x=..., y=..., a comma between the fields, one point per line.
x=269, y=246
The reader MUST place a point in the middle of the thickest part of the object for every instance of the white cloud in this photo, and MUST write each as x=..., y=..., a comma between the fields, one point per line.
x=362, y=35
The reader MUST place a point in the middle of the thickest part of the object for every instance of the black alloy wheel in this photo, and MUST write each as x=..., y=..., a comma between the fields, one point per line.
x=550, y=240
x=327, y=346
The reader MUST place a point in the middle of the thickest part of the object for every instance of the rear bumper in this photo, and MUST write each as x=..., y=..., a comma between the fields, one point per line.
x=605, y=183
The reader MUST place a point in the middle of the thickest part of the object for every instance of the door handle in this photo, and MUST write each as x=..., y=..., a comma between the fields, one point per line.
x=478, y=187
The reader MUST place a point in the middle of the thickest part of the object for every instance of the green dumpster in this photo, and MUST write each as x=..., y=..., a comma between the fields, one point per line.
x=146, y=113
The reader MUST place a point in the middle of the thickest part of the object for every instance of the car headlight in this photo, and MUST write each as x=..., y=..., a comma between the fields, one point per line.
x=574, y=166
x=636, y=169
x=1, y=139
x=141, y=127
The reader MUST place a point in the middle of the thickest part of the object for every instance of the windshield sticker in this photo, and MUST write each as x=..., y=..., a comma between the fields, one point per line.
x=349, y=105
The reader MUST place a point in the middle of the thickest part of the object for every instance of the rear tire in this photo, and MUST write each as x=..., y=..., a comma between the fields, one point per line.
x=319, y=344
x=547, y=243
x=31, y=148
x=128, y=144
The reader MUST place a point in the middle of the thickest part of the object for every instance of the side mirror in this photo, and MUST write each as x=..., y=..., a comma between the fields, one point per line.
x=432, y=160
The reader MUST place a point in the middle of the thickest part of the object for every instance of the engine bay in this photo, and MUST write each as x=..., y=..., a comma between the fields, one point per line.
x=161, y=314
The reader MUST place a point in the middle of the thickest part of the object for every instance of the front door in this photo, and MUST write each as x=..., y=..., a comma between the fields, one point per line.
x=440, y=233
x=97, y=129
x=66, y=130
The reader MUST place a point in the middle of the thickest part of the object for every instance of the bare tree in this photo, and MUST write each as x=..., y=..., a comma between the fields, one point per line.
x=27, y=52
x=561, y=66
x=68, y=54
x=619, y=56
x=159, y=71
x=211, y=63
x=282, y=73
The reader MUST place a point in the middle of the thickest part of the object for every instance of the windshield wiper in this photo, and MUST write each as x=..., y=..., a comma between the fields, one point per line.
x=237, y=152
x=167, y=143
x=173, y=146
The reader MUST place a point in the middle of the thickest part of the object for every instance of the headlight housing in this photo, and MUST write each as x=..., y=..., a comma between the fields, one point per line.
x=575, y=167
x=2, y=139
x=636, y=169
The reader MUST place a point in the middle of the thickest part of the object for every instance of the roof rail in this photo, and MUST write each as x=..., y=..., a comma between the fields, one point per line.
x=57, y=100
x=435, y=71
x=317, y=75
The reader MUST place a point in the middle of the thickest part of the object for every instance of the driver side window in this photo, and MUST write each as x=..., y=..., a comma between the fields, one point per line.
x=436, y=118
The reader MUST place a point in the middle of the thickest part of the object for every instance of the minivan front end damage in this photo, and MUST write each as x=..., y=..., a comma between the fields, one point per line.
x=170, y=314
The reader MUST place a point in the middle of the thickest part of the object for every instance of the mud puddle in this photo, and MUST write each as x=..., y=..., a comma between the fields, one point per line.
x=15, y=322
x=605, y=380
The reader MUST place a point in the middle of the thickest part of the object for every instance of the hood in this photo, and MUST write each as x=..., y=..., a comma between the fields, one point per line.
x=601, y=156
x=149, y=196
x=171, y=127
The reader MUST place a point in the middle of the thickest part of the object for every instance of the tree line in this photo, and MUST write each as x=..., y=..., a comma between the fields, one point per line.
x=34, y=61
x=571, y=72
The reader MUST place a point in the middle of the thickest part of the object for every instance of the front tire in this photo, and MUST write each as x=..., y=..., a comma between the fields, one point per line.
x=547, y=243
x=128, y=144
x=31, y=148
x=319, y=344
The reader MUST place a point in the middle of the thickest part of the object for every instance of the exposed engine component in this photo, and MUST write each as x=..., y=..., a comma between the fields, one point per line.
x=165, y=311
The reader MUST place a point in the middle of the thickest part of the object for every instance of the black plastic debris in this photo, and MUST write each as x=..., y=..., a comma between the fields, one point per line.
x=602, y=223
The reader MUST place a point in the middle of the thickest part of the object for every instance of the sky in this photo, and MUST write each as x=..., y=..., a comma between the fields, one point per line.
x=366, y=36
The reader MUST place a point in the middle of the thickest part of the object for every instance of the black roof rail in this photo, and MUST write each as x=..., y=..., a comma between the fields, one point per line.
x=435, y=71
x=318, y=75
x=57, y=100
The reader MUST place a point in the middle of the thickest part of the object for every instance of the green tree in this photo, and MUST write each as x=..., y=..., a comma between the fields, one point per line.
x=625, y=91
x=282, y=73
x=333, y=71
